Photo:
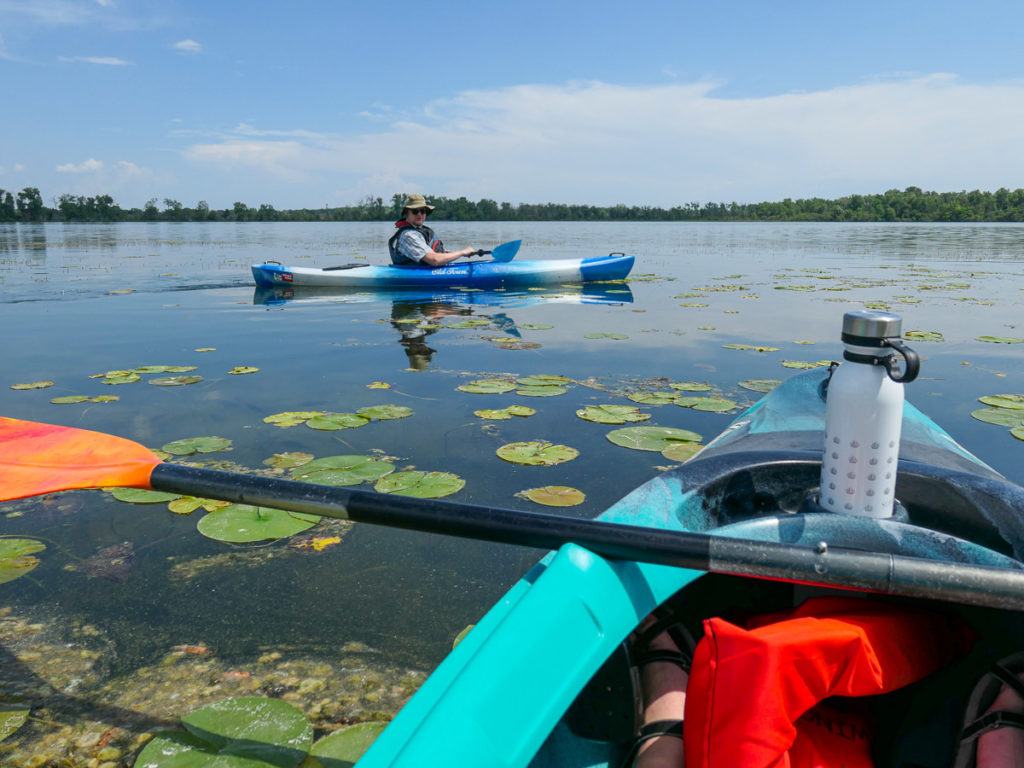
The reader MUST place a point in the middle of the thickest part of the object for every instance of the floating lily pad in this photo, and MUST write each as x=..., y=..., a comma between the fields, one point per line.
x=246, y=732
x=1001, y=339
x=175, y=381
x=16, y=559
x=385, y=412
x=124, y=377
x=470, y=323
x=923, y=336
x=342, y=470
x=421, y=485
x=1004, y=417
x=12, y=717
x=104, y=399
x=487, y=386
x=344, y=747
x=1011, y=402
x=335, y=421
x=536, y=326
x=691, y=386
x=186, y=505
x=521, y=410
x=291, y=418
x=712, y=404
x=288, y=460
x=541, y=391
x=512, y=343
x=681, y=452
x=537, y=453
x=653, y=398
x=69, y=399
x=612, y=414
x=149, y=369
x=190, y=445
x=494, y=414
x=555, y=496
x=462, y=635
x=243, y=524
x=206, y=349
x=241, y=370
x=612, y=336
x=542, y=380
x=651, y=438
x=378, y=385
x=751, y=347
x=33, y=385
x=805, y=364
x=142, y=495
x=760, y=385
x=1018, y=432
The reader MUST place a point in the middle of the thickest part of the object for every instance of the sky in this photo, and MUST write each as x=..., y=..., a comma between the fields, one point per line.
x=307, y=104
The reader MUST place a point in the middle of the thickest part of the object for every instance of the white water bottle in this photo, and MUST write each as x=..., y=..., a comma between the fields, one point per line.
x=864, y=414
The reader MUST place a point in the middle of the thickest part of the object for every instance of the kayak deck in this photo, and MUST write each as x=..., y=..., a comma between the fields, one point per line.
x=475, y=274
x=500, y=698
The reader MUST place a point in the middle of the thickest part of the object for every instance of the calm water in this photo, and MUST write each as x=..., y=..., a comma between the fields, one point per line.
x=66, y=315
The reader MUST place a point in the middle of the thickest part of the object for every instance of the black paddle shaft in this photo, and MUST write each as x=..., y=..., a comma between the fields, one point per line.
x=822, y=565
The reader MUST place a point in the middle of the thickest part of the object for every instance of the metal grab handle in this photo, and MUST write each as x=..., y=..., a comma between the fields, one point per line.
x=912, y=363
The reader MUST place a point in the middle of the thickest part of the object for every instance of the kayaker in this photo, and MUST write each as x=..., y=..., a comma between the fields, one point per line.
x=414, y=243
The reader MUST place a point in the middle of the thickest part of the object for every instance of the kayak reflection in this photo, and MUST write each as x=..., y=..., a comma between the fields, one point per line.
x=417, y=315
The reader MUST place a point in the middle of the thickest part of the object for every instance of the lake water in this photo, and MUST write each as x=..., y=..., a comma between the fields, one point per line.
x=346, y=633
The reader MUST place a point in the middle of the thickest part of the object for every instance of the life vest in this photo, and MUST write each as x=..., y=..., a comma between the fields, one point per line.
x=428, y=237
x=754, y=697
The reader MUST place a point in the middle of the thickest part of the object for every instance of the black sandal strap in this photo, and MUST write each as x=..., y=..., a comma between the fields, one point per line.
x=650, y=731
x=652, y=656
x=991, y=722
x=1009, y=678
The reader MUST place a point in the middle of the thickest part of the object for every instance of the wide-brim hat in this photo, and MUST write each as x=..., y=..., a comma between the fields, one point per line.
x=416, y=201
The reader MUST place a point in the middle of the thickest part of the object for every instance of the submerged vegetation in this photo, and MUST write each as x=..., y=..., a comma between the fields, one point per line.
x=910, y=204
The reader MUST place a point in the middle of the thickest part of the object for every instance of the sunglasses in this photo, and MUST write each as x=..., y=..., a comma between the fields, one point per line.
x=424, y=211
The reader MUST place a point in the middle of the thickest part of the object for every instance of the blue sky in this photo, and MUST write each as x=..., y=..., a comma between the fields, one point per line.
x=318, y=103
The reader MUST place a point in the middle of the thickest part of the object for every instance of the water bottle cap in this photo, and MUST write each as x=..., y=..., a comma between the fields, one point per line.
x=866, y=324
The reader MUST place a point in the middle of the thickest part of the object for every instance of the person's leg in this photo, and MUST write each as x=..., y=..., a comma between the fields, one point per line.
x=664, y=696
x=1003, y=747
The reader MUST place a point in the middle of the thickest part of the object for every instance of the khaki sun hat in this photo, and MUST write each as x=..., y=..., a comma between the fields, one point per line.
x=416, y=201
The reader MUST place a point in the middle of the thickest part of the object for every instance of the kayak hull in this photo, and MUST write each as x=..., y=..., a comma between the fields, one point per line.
x=482, y=274
x=505, y=695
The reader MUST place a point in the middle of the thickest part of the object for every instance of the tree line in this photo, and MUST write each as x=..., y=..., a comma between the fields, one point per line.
x=910, y=204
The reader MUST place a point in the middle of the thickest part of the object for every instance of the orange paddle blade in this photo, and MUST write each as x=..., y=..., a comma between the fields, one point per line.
x=43, y=458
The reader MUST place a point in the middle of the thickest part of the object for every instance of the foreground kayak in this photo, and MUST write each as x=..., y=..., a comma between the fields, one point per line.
x=543, y=678
x=481, y=274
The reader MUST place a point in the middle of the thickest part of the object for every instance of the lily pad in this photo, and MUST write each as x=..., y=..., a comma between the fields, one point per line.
x=541, y=391
x=342, y=470
x=691, y=386
x=291, y=418
x=288, y=459
x=542, y=380
x=378, y=385
x=474, y=322
x=462, y=635
x=69, y=399
x=16, y=559
x=241, y=370
x=712, y=404
x=142, y=495
x=653, y=398
x=1004, y=417
x=512, y=343
x=335, y=421
x=760, y=385
x=385, y=412
x=612, y=414
x=344, y=747
x=1010, y=402
x=1018, y=432
x=33, y=385
x=127, y=377
x=681, y=452
x=651, y=438
x=149, y=369
x=494, y=414
x=175, y=381
x=421, y=485
x=12, y=717
x=246, y=732
x=104, y=399
x=537, y=453
x=536, y=326
x=244, y=524
x=186, y=505
x=1001, y=339
x=555, y=496
x=487, y=386
x=751, y=347
x=923, y=336
x=205, y=349
x=521, y=410
x=190, y=445
x=805, y=364
x=612, y=336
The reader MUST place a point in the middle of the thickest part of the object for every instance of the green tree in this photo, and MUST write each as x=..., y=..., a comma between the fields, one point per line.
x=7, y=210
x=149, y=211
x=30, y=205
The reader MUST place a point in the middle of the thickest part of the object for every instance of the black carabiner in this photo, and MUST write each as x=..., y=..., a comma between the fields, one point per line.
x=912, y=363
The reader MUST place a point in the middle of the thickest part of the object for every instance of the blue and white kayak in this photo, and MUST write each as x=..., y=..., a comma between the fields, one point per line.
x=481, y=274
x=544, y=679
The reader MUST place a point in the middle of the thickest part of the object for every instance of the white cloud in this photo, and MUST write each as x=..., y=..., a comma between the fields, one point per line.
x=109, y=61
x=187, y=46
x=86, y=166
x=664, y=144
x=105, y=3
x=50, y=12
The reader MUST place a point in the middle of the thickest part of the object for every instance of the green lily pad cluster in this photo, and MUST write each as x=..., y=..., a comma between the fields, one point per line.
x=612, y=414
x=1001, y=339
x=537, y=453
x=288, y=459
x=691, y=386
x=537, y=385
x=17, y=557
x=33, y=385
x=176, y=503
x=751, y=347
x=1004, y=411
x=132, y=375
x=342, y=470
x=487, y=386
x=501, y=414
x=255, y=732
x=332, y=422
x=73, y=399
x=291, y=418
x=673, y=444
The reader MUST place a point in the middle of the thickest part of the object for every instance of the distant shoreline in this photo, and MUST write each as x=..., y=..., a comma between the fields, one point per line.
x=907, y=206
